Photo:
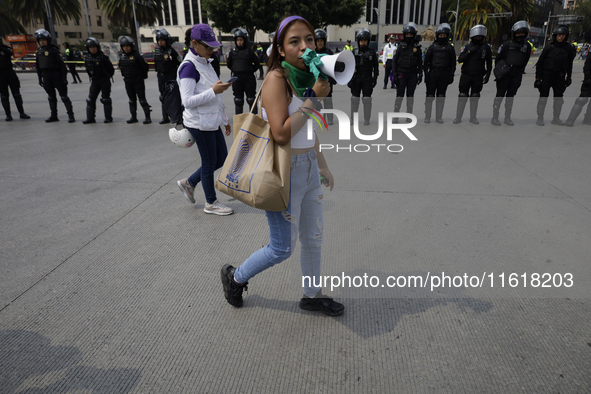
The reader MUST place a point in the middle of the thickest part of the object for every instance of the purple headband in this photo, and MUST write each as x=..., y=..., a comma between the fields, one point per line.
x=285, y=22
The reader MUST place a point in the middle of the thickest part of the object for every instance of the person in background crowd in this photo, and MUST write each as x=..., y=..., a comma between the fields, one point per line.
x=134, y=70
x=348, y=47
x=243, y=62
x=100, y=70
x=583, y=98
x=365, y=77
x=387, y=56
x=167, y=61
x=320, y=38
x=261, y=54
x=53, y=75
x=554, y=70
x=71, y=66
x=8, y=78
x=407, y=67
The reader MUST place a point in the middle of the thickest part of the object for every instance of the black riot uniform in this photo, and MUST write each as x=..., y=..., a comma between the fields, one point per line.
x=8, y=78
x=244, y=63
x=134, y=70
x=52, y=73
x=476, y=60
x=515, y=54
x=71, y=66
x=365, y=77
x=320, y=35
x=439, y=67
x=167, y=62
x=583, y=98
x=407, y=67
x=100, y=70
x=554, y=70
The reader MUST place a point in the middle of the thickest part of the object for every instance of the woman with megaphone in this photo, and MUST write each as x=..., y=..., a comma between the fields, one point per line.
x=290, y=93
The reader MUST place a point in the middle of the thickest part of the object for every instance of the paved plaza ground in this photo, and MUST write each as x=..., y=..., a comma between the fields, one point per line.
x=109, y=278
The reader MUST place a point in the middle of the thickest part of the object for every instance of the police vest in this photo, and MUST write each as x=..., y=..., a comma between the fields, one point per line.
x=94, y=66
x=5, y=55
x=128, y=65
x=364, y=62
x=558, y=57
x=241, y=61
x=46, y=58
x=441, y=56
x=476, y=61
x=165, y=62
x=408, y=59
x=517, y=54
x=324, y=50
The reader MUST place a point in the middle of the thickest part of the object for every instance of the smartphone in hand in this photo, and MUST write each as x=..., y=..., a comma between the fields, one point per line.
x=231, y=80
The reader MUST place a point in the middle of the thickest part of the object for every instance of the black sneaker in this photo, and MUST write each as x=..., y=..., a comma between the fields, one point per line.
x=232, y=289
x=322, y=303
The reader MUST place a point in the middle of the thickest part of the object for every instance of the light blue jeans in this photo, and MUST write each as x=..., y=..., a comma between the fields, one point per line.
x=304, y=216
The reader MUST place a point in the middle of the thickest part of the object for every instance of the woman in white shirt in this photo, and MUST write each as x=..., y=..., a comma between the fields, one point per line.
x=204, y=115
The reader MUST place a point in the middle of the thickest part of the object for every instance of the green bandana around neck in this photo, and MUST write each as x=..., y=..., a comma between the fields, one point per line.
x=300, y=80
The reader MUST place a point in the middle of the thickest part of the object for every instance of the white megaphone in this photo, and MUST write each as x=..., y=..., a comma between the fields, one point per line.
x=339, y=67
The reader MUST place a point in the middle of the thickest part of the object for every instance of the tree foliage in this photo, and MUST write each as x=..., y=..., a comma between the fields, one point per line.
x=8, y=22
x=474, y=12
x=120, y=12
x=583, y=30
x=266, y=14
x=28, y=11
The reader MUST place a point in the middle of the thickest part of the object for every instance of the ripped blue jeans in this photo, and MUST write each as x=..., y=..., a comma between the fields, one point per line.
x=304, y=216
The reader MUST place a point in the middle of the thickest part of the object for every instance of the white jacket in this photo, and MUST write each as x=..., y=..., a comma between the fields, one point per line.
x=204, y=110
x=389, y=51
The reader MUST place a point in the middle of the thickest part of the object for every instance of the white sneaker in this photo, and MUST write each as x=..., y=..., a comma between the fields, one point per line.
x=218, y=208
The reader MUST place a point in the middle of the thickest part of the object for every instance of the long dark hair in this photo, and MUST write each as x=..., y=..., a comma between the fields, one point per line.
x=275, y=59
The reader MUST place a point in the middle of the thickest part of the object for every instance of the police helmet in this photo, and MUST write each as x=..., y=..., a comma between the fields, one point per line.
x=363, y=34
x=240, y=32
x=520, y=27
x=319, y=34
x=478, y=30
x=561, y=29
x=162, y=34
x=42, y=33
x=443, y=28
x=92, y=42
x=126, y=40
x=410, y=27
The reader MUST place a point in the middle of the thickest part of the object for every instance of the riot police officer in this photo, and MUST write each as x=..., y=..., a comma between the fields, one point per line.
x=8, y=78
x=476, y=68
x=407, y=67
x=439, y=67
x=134, y=70
x=321, y=48
x=167, y=62
x=515, y=54
x=52, y=74
x=71, y=66
x=554, y=70
x=100, y=70
x=583, y=98
x=366, y=75
x=243, y=62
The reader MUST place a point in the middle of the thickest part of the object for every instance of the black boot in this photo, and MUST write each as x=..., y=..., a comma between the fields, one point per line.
x=165, y=118
x=238, y=105
x=540, y=110
x=133, y=111
x=587, y=118
x=474, y=109
x=557, y=108
x=366, y=110
x=508, y=110
x=397, y=105
x=428, y=108
x=496, y=109
x=439, y=104
x=90, y=112
x=576, y=111
x=108, y=107
x=53, y=109
x=328, y=105
x=462, y=101
x=18, y=99
x=410, y=103
x=250, y=102
x=354, y=107
x=146, y=108
x=69, y=108
x=6, y=105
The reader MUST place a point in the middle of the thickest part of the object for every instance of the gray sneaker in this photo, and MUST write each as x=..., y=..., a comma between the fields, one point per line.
x=187, y=189
x=218, y=208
